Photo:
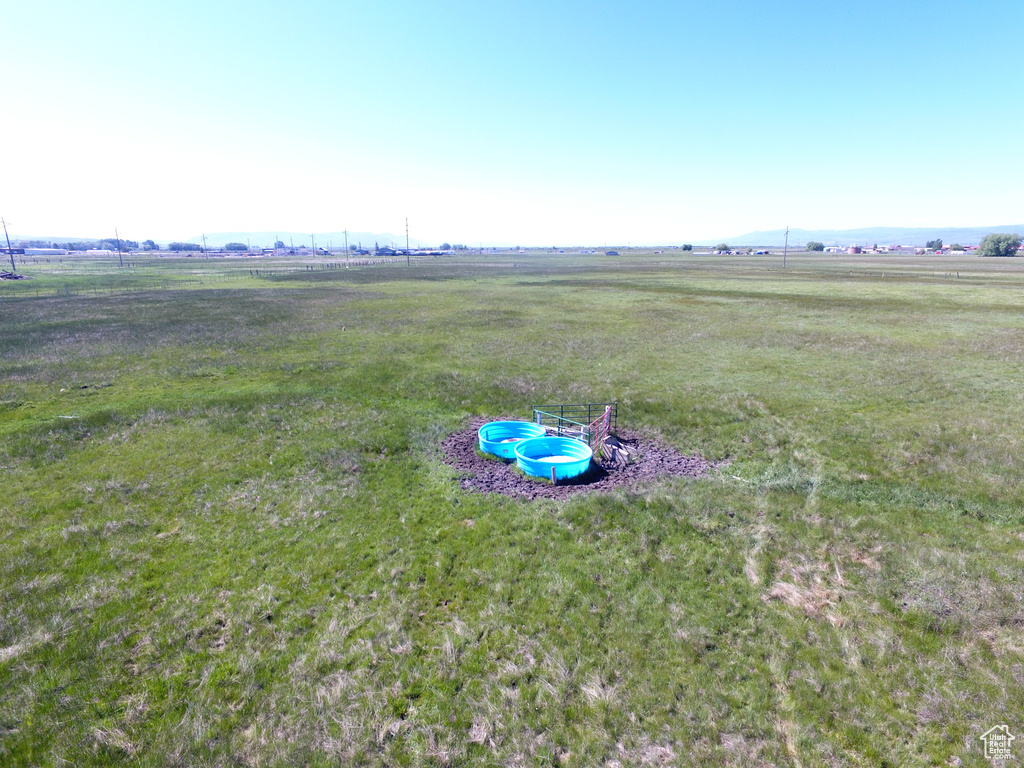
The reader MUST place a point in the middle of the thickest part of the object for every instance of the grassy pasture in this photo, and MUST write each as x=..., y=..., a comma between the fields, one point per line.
x=227, y=536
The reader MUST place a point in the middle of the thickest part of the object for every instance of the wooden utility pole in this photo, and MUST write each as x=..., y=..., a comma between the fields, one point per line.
x=10, y=251
x=785, y=249
x=117, y=238
x=407, y=242
x=346, y=247
x=204, y=247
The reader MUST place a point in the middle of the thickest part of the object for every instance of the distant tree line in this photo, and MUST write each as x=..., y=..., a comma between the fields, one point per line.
x=935, y=245
x=112, y=244
x=236, y=247
x=82, y=245
x=176, y=247
x=108, y=243
x=814, y=245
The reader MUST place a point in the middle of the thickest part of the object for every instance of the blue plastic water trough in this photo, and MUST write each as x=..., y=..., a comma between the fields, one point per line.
x=500, y=437
x=542, y=456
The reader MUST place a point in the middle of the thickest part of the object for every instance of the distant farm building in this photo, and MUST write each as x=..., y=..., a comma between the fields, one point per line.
x=45, y=252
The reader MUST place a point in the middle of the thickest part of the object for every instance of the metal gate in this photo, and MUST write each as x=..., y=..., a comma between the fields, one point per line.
x=591, y=422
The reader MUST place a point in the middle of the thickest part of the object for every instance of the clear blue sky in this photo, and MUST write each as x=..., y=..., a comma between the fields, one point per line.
x=530, y=122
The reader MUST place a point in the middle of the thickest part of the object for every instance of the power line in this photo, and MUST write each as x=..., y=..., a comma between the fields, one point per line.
x=10, y=251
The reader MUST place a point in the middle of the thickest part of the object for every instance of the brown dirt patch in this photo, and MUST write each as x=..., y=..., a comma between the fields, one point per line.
x=652, y=460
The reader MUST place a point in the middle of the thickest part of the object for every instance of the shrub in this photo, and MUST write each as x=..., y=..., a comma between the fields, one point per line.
x=999, y=245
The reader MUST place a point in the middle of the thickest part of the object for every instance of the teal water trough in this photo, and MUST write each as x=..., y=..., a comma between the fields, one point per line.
x=556, y=458
x=498, y=438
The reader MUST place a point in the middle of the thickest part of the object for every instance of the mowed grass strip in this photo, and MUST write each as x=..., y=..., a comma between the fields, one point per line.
x=228, y=536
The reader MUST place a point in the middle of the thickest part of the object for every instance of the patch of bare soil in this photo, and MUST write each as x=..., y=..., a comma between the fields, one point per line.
x=648, y=459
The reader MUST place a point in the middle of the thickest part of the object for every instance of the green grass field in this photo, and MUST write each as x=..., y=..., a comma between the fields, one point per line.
x=227, y=535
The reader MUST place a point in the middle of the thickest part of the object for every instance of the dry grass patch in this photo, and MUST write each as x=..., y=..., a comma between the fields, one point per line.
x=812, y=586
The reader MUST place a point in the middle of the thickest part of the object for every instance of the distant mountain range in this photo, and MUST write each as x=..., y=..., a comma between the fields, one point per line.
x=868, y=236
x=323, y=239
